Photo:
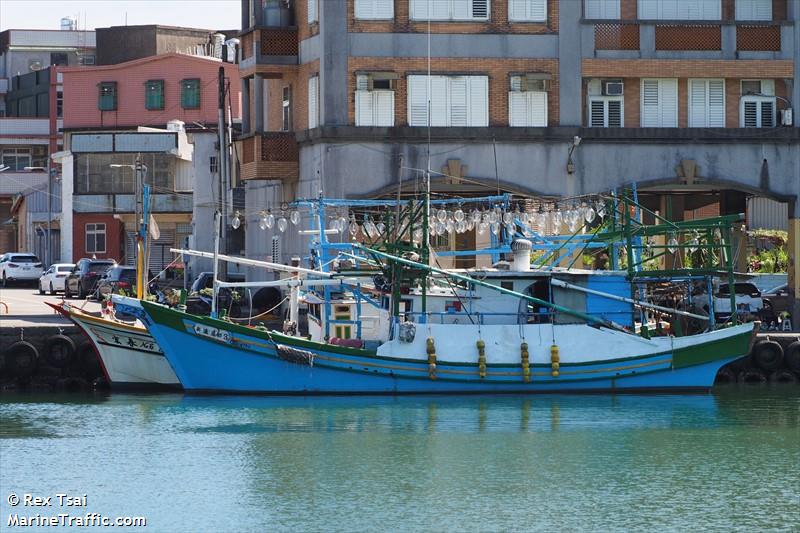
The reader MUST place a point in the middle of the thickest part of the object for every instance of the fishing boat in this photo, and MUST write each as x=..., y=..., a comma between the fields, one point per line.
x=128, y=354
x=494, y=330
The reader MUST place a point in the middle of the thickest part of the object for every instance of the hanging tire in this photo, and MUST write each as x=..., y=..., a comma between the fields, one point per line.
x=88, y=360
x=22, y=359
x=59, y=351
x=768, y=355
x=725, y=376
x=791, y=357
x=752, y=376
x=783, y=376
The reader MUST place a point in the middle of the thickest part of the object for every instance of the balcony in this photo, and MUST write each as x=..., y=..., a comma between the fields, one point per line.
x=24, y=127
x=712, y=40
x=270, y=46
x=271, y=155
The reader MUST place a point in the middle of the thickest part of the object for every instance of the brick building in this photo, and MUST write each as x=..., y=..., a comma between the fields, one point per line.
x=163, y=110
x=690, y=99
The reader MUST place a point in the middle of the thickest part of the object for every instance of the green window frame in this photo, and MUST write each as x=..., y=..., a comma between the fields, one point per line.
x=190, y=93
x=154, y=94
x=107, y=97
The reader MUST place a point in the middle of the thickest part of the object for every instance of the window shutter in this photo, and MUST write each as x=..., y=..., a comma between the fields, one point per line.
x=668, y=96
x=716, y=103
x=478, y=101
x=517, y=109
x=537, y=109
x=680, y=9
x=537, y=10
x=697, y=103
x=417, y=101
x=753, y=9
x=362, y=82
x=650, y=104
x=384, y=9
x=439, y=101
x=458, y=101
x=313, y=105
x=768, y=87
x=439, y=9
x=597, y=114
x=312, y=11
x=601, y=9
x=383, y=105
x=374, y=9
x=479, y=9
x=364, y=108
x=648, y=9
x=365, y=9
x=614, y=113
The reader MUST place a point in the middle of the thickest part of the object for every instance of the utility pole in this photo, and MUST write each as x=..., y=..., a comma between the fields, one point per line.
x=223, y=168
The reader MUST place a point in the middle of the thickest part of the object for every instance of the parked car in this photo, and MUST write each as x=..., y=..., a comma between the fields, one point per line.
x=82, y=281
x=748, y=299
x=115, y=279
x=54, y=277
x=777, y=301
x=205, y=280
x=19, y=266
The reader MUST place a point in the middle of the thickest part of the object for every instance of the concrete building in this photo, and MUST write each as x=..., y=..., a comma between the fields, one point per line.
x=119, y=44
x=30, y=107
x=162, y=110
x=691, y=100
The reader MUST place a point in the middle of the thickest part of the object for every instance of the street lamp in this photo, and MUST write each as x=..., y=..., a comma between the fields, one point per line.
x=570, y=165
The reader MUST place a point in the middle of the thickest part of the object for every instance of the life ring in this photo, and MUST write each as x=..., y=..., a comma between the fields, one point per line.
x=791, y=357
x=21, y=359
x=768, y=355
x=59, y=351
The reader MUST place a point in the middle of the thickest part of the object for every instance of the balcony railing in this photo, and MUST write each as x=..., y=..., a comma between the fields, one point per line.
x=758, y=38
x=616, y=36
x=270, y=155
x=688, y=37
x=279, y=42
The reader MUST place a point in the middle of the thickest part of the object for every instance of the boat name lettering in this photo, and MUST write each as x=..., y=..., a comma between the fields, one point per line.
x=212, y=333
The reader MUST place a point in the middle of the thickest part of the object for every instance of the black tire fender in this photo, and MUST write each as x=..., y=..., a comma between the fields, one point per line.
x=22, y=359
x=768, y=355
x=791, y=357
x=59, y=351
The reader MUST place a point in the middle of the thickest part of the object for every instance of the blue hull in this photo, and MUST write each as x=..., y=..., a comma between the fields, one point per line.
x=249, y=364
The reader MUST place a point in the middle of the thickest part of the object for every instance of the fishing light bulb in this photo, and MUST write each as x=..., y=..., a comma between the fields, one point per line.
x=482, y=227
x=475, y=216
x=461, y=226
x=262, y=221
x=450, y=225
x=672, y=244
x=441, y=215
x=511, y=229
x=589, y=214
x=381, y=227
x=235, y=221
x=342, y=223
x=495, y=228
x=282, y=224
x=270, y=220
x=470, y=225
x=295, y=217
x=558, y=220
x=458, y=215
x=508, y=217
x=601, y=209
x=417, y=235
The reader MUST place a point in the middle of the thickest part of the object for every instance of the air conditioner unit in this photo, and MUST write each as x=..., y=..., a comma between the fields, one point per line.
x=534, y=84
x=613, y=88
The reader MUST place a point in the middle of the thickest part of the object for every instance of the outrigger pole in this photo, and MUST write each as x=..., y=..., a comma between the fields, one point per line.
x=251, y=262
x=502, y=290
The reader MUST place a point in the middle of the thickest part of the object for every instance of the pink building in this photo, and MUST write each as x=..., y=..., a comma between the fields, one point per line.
x=146, y=92
x=161, y=110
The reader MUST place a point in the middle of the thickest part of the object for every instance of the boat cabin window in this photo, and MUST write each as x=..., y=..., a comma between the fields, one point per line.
x=342, y=309
x=532, y=313
x=313, y=310
x=508, y=285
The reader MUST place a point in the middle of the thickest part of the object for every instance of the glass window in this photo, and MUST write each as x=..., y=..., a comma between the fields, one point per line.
x=95, y=238
x=190, y=94
x=287, y=109
x=94, y=174
x=16, y=158
x=154, y=94
x=107, y=100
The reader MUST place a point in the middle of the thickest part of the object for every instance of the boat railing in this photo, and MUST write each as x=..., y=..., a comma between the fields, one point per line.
x=542, y=317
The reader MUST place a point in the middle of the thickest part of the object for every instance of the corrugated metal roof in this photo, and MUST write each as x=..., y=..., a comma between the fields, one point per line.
x=52, y=38
x=765, y=213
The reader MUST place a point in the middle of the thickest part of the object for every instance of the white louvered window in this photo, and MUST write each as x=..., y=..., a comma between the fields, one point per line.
x=606, y=112
x=313, y=102
x=313, y=11
x=449, y=9
x=527, y=10
x=601, y=9
x=680, y=9
x=706, y=103
x=374, y=9
x=454, y=101
x=753, y=9
x=659, y=107
x=374, y=101
x=757, y=112
x=527, y=102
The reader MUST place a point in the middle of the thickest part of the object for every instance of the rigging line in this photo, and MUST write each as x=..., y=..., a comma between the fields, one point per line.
x=496, y=174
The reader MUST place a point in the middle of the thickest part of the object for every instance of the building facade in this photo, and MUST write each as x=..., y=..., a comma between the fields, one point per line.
x=162, y=112
x=693, y=98
x=30, y=120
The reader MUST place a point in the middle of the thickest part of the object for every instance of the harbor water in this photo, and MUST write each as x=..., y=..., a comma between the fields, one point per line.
x=723, y=461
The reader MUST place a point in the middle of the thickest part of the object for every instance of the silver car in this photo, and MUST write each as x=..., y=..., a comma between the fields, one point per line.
x=54, y=277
